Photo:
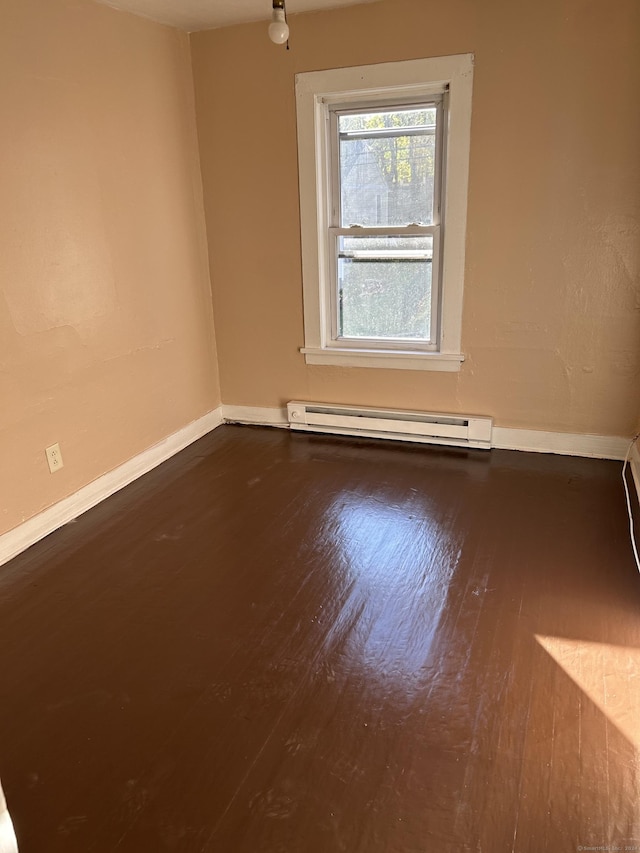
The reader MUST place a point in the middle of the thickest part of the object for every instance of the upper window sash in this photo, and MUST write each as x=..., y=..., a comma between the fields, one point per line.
x=335, y=111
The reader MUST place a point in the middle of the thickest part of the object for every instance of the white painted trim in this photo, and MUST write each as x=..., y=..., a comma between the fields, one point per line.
x=504, y=438
x=36, y=528
x=255, y=415
x=391, y=360
x=563, y=443
x=634, y=460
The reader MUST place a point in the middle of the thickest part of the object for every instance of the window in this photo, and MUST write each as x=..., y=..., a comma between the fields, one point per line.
x=384, y=231
x=383, y=153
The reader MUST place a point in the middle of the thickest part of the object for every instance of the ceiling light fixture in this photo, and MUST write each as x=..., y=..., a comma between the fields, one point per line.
x=278, y=28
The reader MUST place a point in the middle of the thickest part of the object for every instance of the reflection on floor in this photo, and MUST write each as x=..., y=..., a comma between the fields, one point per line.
x=307, y=644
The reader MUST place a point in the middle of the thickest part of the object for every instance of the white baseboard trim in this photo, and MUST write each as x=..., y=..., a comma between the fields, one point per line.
x=563, y=443
x=36, y=528
x=255, y=415
x=504, y=438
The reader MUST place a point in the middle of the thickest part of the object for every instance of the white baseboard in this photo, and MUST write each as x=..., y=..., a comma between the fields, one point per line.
x=563, y=443
x=36, y=528
x=255, y=415
x=505, y=438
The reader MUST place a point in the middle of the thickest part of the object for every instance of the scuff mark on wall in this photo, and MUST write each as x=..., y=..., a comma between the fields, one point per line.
x=136, y=350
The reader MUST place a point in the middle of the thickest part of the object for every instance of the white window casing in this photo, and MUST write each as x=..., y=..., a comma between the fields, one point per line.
x=372, y=85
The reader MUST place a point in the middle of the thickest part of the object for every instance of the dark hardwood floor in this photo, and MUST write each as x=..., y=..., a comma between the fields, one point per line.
x=282, y=643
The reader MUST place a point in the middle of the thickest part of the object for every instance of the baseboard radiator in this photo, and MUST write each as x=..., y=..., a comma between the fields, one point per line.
x=426, y=427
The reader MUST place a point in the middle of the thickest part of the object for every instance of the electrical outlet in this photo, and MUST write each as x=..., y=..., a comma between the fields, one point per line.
x=54, y=458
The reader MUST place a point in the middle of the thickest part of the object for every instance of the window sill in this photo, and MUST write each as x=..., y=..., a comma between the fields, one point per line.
x=449, y=362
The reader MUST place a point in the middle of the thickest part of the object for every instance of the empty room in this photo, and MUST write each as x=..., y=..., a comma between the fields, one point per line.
x=319, y=399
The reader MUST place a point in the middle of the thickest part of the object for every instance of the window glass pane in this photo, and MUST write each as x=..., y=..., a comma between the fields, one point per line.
x=387, y=165
x=384, y=287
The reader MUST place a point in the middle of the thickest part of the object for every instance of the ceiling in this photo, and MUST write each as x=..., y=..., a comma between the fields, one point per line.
x=193, y=15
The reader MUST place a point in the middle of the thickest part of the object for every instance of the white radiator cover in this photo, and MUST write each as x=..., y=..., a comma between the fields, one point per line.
x=427, y=427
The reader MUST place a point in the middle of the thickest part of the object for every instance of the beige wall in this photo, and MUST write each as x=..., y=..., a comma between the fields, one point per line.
x=551, y=324
x=106, y=333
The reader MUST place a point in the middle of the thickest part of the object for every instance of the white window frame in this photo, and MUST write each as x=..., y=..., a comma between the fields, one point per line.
x=384, y=84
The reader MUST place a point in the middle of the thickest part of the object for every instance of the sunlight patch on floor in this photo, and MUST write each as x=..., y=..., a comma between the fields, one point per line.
x=608, y=674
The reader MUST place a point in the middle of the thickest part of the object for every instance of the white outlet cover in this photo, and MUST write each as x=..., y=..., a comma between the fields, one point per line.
x=54, y=458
